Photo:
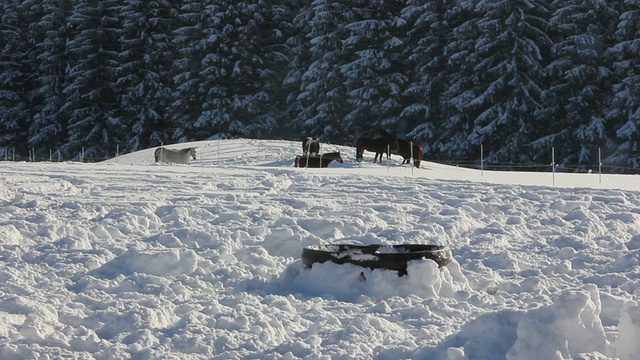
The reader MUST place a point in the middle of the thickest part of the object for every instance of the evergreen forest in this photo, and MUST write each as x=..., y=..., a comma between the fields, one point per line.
x=515, y=78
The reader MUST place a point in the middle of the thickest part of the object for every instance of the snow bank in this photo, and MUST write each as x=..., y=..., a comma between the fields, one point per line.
x=570, y=326
x=627, y=346
x=169, y=262
x=424, y=279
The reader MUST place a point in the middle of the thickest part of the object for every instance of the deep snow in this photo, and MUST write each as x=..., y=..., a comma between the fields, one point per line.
x=132, y=259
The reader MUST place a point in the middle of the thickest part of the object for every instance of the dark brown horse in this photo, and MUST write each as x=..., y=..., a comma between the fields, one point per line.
x=391, y=139
x=409, y=150
x=311, y=145
x=378, y=145
x=317, y=161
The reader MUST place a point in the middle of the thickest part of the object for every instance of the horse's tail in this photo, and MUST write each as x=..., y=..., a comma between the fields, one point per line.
x=418, y=155
x=359, y=150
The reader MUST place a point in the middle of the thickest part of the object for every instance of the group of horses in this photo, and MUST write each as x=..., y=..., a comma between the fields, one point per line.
x=384, y=143
x=311, y=157
x=388, y=144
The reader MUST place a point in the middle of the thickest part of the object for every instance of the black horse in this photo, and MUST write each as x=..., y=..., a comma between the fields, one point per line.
x=311, y=145
x=317, y=161
x=407, y=152
x=391, y=139
x=378, y=145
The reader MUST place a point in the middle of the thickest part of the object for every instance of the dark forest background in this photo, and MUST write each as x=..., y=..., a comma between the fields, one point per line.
x=517, y=77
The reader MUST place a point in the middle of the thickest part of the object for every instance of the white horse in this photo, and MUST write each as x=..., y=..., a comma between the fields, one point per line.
x=180, y=156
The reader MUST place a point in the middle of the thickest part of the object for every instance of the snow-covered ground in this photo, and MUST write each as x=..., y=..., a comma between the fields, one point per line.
x=128, y=259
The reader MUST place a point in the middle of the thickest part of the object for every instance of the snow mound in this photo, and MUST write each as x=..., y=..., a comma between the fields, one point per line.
x=168, y=262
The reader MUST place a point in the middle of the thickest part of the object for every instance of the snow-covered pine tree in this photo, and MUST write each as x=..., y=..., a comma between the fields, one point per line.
x=17, y=67
x=509, y=57
x=188, y=92
x=321, y=96
x=48, y=129
x=144, y=76
x=237, y=71
x=453, y=129
x=428, y=32
x=573, y=104
x=624, y=113
x=91, y=98
x=373, y=68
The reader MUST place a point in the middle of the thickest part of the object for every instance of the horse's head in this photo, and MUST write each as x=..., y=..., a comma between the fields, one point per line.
x=383, y=133
x=333, y=156
x=156, y=154
x=192, y=152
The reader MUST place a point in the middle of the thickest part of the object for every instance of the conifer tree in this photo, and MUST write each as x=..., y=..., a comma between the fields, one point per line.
x=187, y=94
x=579, y=74
x=428, y=33
x=453, y=130
x=238, y=73
x=510, y=58
x=144, y=75
x=372, y=69
x=48, y=129
x=17, y=67
x=321, y=96
x=625, y=108
x=91, y=98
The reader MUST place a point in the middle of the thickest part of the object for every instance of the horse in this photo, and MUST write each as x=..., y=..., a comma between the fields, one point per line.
x=311, y=145
x=317, y=161
x=393, y=141
x=378, y=145
x=405, y=150
x=180, y=156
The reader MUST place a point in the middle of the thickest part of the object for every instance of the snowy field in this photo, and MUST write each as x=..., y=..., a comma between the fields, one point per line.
x=128, y=259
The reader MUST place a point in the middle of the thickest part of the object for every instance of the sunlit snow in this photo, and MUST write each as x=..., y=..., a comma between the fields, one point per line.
x=129, y=259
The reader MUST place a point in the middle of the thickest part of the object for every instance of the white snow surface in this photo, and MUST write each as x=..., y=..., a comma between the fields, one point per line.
x=129, y=259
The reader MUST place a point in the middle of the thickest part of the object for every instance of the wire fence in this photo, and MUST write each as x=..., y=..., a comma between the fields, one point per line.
x=10, y=154
x=599, y=167
x=538, y=167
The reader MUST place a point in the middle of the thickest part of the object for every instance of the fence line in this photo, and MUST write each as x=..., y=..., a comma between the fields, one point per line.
x=10, y=154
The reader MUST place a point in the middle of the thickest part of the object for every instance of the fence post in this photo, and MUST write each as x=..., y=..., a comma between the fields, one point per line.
x=599, y=167
x=481, y=160
x=411, y=161
x=388, y=152
x=553, y=165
